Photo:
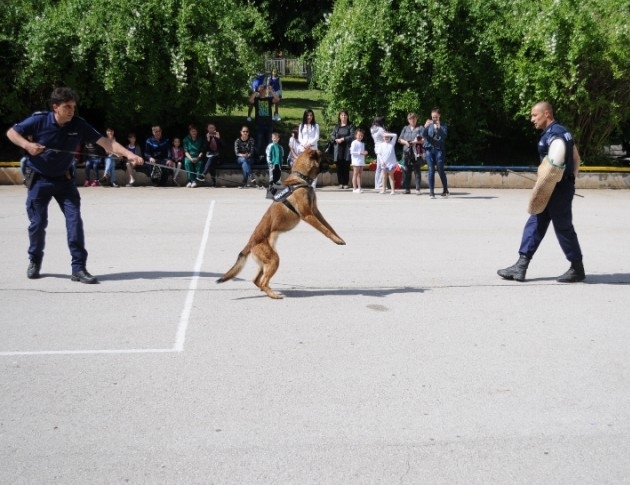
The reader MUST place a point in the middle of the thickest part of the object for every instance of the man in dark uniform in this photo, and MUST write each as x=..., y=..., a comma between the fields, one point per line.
x=558, y=209
x=56, y=135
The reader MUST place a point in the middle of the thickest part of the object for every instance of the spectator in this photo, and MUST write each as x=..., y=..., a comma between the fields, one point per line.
x=157, y=154
x=275, y=154
x=92, y=159
x=412, y=141
x=244, y=151
x=308, y=135
x=358, y=153
x=276, y=84
x=177, y=155
x=386, y=158
x=263, y=101
x=213, y=150
x=341, y=137
x=193, y=149
x=377, y=129
x=134, y=148
x=258, y=81
x=434, y=134
x=293, y=147
x=111, y=160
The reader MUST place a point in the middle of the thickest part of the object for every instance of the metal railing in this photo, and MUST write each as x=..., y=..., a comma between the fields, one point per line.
x=286, y=67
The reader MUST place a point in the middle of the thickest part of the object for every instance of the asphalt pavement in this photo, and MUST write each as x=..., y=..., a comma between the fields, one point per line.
x=400, y=357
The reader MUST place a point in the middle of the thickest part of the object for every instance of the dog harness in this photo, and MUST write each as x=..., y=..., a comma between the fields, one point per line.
x=283, y=194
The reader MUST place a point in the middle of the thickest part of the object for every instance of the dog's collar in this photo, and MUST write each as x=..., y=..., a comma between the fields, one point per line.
x=306, y=178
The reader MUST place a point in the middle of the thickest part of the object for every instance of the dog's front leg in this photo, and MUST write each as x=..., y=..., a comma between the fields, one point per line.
x=318, y=222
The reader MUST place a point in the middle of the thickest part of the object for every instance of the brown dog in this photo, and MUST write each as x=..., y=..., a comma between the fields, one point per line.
x=296, y=201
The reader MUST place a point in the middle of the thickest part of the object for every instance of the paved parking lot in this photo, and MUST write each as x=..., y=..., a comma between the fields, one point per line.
x=399, y=358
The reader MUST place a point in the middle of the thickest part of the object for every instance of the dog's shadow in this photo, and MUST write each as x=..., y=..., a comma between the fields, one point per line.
x=346, y=292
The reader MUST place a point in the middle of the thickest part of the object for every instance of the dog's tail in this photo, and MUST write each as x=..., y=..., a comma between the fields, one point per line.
x=236, y=269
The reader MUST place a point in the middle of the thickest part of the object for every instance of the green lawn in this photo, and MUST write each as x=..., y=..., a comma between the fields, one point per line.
x=296, y=97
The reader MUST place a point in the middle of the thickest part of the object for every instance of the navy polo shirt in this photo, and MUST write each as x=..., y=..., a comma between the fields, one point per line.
x=554, y=131
x=67, y=138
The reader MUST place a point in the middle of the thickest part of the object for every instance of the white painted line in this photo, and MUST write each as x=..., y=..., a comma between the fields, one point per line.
x=185, y=317
x=88, y=352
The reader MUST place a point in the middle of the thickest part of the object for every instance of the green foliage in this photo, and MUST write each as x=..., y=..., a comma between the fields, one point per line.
x=484, y=63
x=144, y=61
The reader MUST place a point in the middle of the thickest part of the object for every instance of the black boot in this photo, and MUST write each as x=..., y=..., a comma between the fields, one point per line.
x=516, y=271
x=574, y=274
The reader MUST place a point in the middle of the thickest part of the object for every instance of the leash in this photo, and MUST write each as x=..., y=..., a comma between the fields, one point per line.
x=533, y=180
x=200, y=178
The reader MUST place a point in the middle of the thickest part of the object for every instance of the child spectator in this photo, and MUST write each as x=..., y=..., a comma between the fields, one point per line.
x=213, y=147
x=357, y=154
x=293, y=147
x=377, y=130
x=133, y=148
x=177, y=155
x=109, y=175
x=92, y=158
x=276, y=84
x=194, y=146
x=386, y=159
x=275, y=154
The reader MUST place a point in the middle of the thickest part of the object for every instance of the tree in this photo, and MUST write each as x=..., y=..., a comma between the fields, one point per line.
x=294, y=26
x=411, y=56
x=144, y=61
x=573, y=54
x=485, y=63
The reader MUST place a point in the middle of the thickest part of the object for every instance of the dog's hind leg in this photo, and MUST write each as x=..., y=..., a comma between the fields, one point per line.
x=269, y=262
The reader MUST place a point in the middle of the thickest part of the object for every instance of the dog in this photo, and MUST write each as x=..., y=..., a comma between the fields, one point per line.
x=295, y=202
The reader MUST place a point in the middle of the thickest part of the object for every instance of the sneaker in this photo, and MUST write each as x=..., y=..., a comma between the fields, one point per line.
x=114, y=184
x=104, y=180
x=418, y=192
x=94, y=183
x=407, y=191
x=132, y=183
x=241, y=186
x=445, y=195
x=432, y=196
x=189, y=185
x=86, y=184
x=200, y=178
x=193, y=185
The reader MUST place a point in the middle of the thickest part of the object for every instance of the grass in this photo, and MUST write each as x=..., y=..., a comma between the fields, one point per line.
x=296, y=97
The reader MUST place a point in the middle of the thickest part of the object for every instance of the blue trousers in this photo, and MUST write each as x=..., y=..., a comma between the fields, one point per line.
x=65, y=192
x=433, y=157
x=246, y=167
x=558, y=211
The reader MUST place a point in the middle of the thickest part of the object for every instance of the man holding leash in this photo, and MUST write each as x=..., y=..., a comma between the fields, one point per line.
x=56, y=135
x=558, y=154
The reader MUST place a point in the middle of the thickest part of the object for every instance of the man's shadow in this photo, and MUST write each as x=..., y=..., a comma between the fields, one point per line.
x=595, y=279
